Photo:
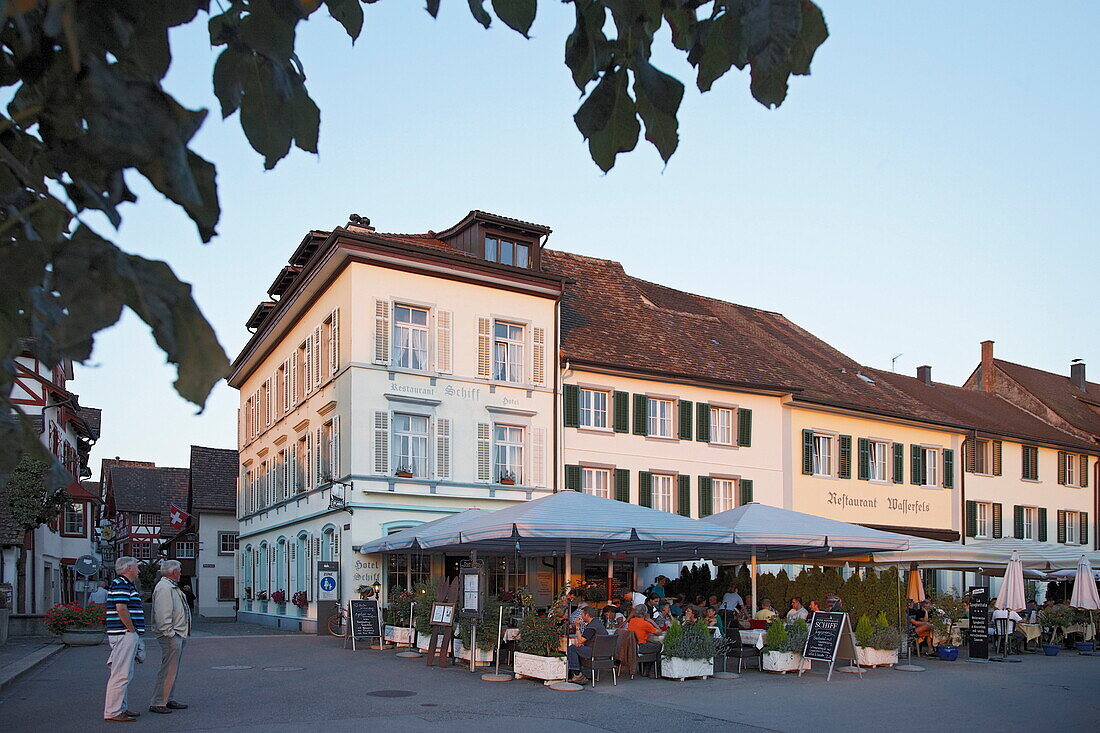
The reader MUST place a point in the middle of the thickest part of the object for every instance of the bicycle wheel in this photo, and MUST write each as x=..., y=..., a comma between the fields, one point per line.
x=337, y=626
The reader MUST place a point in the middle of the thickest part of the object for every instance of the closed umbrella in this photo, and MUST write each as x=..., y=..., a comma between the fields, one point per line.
x=1011, y=596
x=915, y=590
x=1084, y=588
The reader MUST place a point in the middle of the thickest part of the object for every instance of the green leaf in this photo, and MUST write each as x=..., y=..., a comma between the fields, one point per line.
x=608, y=119
x=813, y=33
x=659, y=96
x=228, y=84
x=349, y=13
x=433, y=8
x=305, y=120
x=769, y=29
x=518, y=15
x=266, y=127
x=584, y=44
x=717, y=48
x=481, y=15
x=267, y=32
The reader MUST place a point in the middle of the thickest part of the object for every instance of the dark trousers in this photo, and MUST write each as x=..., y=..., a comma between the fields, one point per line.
x=575, y=653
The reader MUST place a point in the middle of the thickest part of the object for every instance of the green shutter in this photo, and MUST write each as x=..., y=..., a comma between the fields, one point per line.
x=948, y=468
x=1084, y=528
x=971, y=519
x=1083, y=482
x=916, y=475
x=997, y=457
x=641, y=414
x=970, y=455
x=899, y=463
x=622, y=412
x=746, y=491
x=1042, y=512
x=702, y=422
x=706, y=496
x=998, y=521
x=808, y=452
x=622, y=484
x=864, y=459
x=1061, y=527
x=572, y=478
x=845, y=467
x=571, y=405
x=685, y=419
x=744, y=427
x=683, y=498
x=1062, y=467
x=1018, y=522
x=645, y=488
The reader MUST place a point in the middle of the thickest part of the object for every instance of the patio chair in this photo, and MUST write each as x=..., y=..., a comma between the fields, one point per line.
x=604, y=647
x=652, y=658
x=736, y=649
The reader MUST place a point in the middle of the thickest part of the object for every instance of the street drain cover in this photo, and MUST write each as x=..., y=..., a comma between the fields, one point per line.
x=283, y=669
x=392, y=693
x=429, y=704
x=232, y=666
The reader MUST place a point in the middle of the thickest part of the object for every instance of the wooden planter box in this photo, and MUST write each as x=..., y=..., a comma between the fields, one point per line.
x=539, y=668
x=401, y=635
x=676, y=668
x=868, y=657
x=483, y=657
x=781, y=662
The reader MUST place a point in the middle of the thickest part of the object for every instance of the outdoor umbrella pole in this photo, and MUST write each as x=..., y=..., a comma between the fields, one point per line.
x=908, y=666
x=754, y=582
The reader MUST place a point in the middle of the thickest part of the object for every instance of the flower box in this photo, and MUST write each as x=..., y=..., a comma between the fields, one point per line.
x=781, y=662
x=868, y=657
x=540, y=668
x=678, y=668
x=401, y=635
x=483, y=657
x=83, y=636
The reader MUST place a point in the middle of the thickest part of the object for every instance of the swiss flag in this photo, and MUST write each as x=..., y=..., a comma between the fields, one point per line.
x=178, y=518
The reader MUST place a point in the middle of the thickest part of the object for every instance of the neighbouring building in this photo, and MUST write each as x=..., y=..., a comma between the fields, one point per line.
x=136, y=501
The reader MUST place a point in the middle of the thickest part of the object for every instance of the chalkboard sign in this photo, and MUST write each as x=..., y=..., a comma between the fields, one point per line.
x=979, y=623
x=365, y=620
x=830, y=635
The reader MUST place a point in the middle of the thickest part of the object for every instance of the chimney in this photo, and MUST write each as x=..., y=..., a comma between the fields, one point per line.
x=987, y=366
x=358, y=223
x=924, y=374
x=1077, y=374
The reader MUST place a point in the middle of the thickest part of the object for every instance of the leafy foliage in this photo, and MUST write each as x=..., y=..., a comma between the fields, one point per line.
x=797, y=633
x=864, y=631
x=871, y=595
x=399, y=605
x=149, y=574
x=886, y=638
x=540, y=635
x=424, y=594
x=488, y=626
x=30, y=500
x=688, y=641
x=63, y=617
x=775, y=638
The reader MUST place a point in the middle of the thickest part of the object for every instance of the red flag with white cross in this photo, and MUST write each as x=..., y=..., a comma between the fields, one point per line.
x=178, y=518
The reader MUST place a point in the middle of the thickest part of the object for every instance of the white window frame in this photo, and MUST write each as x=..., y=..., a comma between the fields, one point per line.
x=186, y=549
x=142, y=550
x=405, y=332
x=983, y=456
x=660, y=425
x=506, y=446
x=930, y=469
x=983, y=520
x=79, y=510
x=722, y=426
x=508, y=352
x=234, y=543
x=1073, y=461
x=663, y=487
x=593, y=414
x=597, y=482
x=824, y=454
x=877, y=446
x=1031, y=523
x=1073, y=528
x=724, y=493
x=402, y=443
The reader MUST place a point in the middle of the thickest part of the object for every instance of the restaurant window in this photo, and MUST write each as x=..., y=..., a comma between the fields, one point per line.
x=185, y=550
x=507, y=573
x=930, y=466
x=596, y=481
x=74, y=519
x=721, y=425
x=1031, y=523
x=823, y=455
x=1071, y=469
x=227, y=543
x=506, y=252
x=880, y=452
x=508, y=452
x=410, y=444
x=405, y=571
x=593, y=408
x=662, y=492
x=507, y=352
x=660, y=418
x=724, y=494
x=410, y=337
x=984, y=520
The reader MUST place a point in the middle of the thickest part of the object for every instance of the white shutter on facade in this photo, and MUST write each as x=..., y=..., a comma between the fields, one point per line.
x=317, y=357
x=484, y=459
x=310, y=556
x=538, y=457
x=292, y=576
x=292, y=468
x=319, y=449
x=336, y=545
x=443, y=447
x=538, y=357
x=443, y=343
x=256, y=413
x=268, y=399
x=288, y=400
x=334, y=460
x=307, y=366
x=307, y=461
x=382, y=332
x=381, y=442
x=293, y=380
x=484, y=348
x=334, y=342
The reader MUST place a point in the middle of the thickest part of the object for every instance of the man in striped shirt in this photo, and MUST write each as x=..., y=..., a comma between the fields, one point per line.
x=125, y=626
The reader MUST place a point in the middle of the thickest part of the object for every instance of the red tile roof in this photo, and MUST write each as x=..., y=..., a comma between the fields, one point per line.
x=1080, y=409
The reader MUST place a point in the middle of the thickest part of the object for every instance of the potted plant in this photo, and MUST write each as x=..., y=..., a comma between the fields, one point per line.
x=261, y=596
x=404, y=471
x=947, y=610
x=782, y=653
x=507, y=478
x=247, y=598
x=77, y=625
x=424, y=596
x=398, y=630
x=487, y=627
x=279, y=598
x=687, y=651
x=301, y=601
x=876, y=644
x=1056, y=619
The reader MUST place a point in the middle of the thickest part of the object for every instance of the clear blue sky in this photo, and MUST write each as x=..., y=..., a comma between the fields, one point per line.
x=932, y=184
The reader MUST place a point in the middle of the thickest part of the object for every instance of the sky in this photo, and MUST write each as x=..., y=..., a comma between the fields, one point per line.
x=932, y=184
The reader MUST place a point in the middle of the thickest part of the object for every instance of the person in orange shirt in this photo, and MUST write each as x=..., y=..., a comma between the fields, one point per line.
x=643, y=626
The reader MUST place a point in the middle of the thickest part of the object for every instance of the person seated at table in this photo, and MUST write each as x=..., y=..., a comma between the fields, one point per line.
x=588, y=627
x=917, y=616
x=651, y=603
x=766, y=612
x=746, y=608
x=712, y=600
x=575, y=597
x=797, y=610
x=691, y=614
x=713, y=620
x=662, y=617
x=833, y=602
x=611, y=617
x=642, y=626
x=700, y=600
x=1031, y=610
x=676, y=607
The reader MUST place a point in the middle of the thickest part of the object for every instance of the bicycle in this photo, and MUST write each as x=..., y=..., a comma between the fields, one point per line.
x=338, y=624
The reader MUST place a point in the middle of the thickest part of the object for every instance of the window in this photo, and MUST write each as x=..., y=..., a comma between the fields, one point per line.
x=508, y=452
x=823, y=455
x=226, y=588
x=405, y=571
x=593, y=407
x=301, y=378
x=227, y=543
x=880, y=452
x=721, y=426
x=660, y=418
x=301, y=469
x=507, y=352
x=596, y=481
x=1030, y=462
x=930, y=465
x=1071, y=469
x=410, y=337
x=662, y=492
x=148, y=520
x=507, y=573
x=506, y=252
x=724, y=494
x=982, y=462
x=410, y=444
x=74, y=519
x=185, y=550
x=141, y=550
x=1031, y=523
x=984, y=516
x=1073, y=521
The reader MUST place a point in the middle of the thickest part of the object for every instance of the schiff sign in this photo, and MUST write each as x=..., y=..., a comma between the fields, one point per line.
x=903, y=506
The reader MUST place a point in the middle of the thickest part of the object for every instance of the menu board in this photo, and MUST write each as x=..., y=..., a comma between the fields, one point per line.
x=979, y=623
x=470, y=593
x=365, y=621
x=824, y=638
x=595, y=577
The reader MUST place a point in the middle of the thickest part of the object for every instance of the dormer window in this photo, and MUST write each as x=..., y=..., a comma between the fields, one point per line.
x=506, y=252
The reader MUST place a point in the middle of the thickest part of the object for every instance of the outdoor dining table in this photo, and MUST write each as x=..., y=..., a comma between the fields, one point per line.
x=753, y=637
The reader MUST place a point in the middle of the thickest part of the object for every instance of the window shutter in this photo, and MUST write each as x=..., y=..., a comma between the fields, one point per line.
x=571, y=410
x=998, y=521
x=573, y=478
x=444, y=344
x=1018, y=522
x=746, y=491
x=334, y=342
x=334, y=457
x=1061, y=526
x=645, y=488
x=683, y=498
x=808, y=452
x=702, y=422
x=317, y=356
x=1062, y=467
x=970, y=455
x=916, y=473
x=706, y=496
x=864, y=459
x=538, y=356
x=1025, y=461
x=997, y=457
x=622, y=412
x=484, y=348
x=292, y=468
x=538, y=456
x=744, y=427
x=336, y=545
x=443, y=447
x=971, y=519
x=382, y=332
x=269, y=399
x=685, y=419
x=899, y=463
x=307, y=365
x=641, y=414
x=293, y=380
x=1083, y=528
x=622, y=485
x=1042, y=516
x=845, y=467
x=318, y=454
x=484, y=463
x=381, y=442
x=1083, y=473
x=948, y=468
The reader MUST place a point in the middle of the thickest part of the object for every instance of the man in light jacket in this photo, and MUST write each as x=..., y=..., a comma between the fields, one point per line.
x=171, y=625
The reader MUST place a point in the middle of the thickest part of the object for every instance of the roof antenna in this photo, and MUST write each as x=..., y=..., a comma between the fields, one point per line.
x=894, y=362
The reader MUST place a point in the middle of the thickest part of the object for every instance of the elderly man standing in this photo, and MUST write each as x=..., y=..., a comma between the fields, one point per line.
x=125, y=625
x=171, y=625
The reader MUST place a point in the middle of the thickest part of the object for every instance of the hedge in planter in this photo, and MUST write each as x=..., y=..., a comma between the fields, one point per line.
x=784, y=643
x=688, y=651
x=876, y=644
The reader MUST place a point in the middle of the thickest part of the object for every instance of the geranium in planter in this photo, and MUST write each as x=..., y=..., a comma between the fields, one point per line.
x=507, y=478
x=77, y=625
x=539, y=654
x=279, y=596
x=688, y=651
x=403, y=471
x=300, y=600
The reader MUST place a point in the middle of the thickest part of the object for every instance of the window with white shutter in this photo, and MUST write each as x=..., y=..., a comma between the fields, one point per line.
x=443, y=447
x=381, y=442
x=443, y=343
x=334, y=341
x=484, y=348
x=538, y=456
x=267, y=403
x=306, y=350
x=287, y=399
x=484, y=453
x=317, y=356
x=292, y=470
x=538, y=357
x=256, y=413
x=335, y=460
x=382, y=332
x=319, y=449
x=293, y=380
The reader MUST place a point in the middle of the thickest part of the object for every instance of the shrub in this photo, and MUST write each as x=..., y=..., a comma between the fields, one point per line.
x=864, y=631
x=881, y=621
x=424, y=596
x=487, y=627
x=398, y=606
x=797, y=633
x=775, y=639
x=540, y=635
x=73, y=615
x=692, y=641
x=886, y=638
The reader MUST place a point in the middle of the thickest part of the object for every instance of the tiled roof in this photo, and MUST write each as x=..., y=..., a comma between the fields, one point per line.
x=429, y=241
x=149, y=490
x=213, y=479
x=88, y=490
x=92, y=417
x=1059, y=394
x=107, y=464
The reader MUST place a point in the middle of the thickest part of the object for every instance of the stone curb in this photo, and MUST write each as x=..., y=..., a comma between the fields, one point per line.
x=11, y=672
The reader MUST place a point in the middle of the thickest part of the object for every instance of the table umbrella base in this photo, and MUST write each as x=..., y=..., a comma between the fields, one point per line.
x=492, y=677
x=1011, y=660
x=726, y=676
x=409, y=655
x=565, y=687
x=908, y=668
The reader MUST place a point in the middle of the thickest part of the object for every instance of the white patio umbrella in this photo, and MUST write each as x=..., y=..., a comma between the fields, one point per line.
x=1011, y=596
x=1084, y=587
x=408, y=539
